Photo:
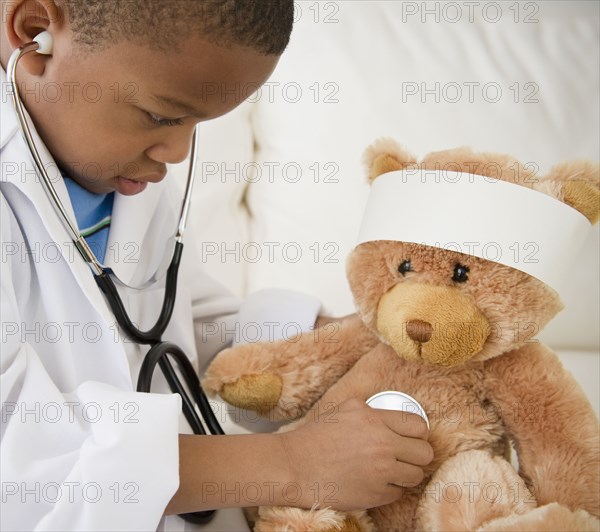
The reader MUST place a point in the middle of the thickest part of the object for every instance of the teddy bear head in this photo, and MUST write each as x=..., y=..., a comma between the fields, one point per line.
x=448, y=306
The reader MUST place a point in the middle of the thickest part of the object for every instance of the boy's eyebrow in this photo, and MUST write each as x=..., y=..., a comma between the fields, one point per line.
x=176, y=104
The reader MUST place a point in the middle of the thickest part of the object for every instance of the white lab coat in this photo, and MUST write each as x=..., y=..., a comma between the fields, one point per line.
x=80, y=449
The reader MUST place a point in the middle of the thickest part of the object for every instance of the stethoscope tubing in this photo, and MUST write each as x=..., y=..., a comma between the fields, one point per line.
x=153, y=335
x=78, y=240
x=159, y=355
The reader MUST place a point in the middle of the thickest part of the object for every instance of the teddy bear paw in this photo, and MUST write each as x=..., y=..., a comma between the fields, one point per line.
x=259, y=392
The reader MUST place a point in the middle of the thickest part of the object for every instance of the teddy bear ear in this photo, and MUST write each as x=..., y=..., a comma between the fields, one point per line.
x=577, y=183
x=386, y=155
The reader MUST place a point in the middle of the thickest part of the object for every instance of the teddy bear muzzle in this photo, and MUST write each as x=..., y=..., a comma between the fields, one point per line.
x=437, y=324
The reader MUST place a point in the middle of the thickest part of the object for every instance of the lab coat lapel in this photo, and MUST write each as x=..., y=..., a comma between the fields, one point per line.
x=24, y=178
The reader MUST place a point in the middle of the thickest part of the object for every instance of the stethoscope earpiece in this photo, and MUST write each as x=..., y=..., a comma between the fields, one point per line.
x=44, y=39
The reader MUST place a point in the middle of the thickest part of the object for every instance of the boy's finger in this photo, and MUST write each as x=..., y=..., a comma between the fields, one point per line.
x=405, y=424
x=414, y=451
x=408, y=475
x=351, y=404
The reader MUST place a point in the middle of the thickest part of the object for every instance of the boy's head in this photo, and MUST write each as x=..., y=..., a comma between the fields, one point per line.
x=128, y=80
x=261, y=25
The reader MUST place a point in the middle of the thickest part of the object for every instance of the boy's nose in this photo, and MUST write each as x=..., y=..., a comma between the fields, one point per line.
x=173, y=148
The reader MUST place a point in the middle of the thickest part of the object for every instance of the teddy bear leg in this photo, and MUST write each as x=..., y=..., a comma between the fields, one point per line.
x=278, y=518
x=398, y=515
x=553, y=517
x=470, y=489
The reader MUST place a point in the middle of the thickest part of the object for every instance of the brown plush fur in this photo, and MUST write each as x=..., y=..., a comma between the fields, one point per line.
x=489, y=488
x=245, y=391
x=300, y=371
x=280, y=519
x=373, y=271
x=386, y=156
x=584, y=196
x=550, y=518
x=437, y=337
x=467, y=353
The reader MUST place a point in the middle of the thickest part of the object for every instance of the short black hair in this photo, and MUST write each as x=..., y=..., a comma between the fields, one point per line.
x=263, y=25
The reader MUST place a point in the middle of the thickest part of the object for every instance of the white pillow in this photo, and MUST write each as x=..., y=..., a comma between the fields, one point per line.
x=218, y=219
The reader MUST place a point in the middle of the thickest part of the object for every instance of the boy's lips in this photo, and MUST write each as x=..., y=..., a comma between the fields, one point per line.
x=129, y=187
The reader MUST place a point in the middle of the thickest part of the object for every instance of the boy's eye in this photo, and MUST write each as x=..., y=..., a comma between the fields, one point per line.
x=460, y=273
x=160, y=121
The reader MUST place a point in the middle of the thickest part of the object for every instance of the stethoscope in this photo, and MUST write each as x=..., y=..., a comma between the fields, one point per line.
x=160, y=351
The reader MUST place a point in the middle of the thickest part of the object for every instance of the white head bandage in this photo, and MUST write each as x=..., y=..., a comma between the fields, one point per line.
x=476, y=215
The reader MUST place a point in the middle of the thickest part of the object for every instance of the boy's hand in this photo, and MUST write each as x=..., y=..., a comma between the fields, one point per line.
x=357, y=457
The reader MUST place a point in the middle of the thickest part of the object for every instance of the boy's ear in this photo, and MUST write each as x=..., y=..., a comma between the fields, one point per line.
x=23, y=20
x=386, y=155
x=577, y=183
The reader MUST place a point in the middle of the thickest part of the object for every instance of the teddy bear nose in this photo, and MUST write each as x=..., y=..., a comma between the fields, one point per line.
x=419, y=331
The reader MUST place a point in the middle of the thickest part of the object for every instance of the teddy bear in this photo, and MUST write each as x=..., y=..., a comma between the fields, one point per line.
x=456, y=331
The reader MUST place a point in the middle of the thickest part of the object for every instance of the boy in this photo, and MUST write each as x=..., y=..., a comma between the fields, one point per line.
x=116, y=102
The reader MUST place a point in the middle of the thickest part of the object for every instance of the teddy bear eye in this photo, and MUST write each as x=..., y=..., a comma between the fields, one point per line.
x=460, y=274
x=405, y=267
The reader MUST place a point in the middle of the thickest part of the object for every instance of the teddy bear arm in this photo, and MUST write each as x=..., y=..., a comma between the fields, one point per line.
x=285, y=378
x=553, y=425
